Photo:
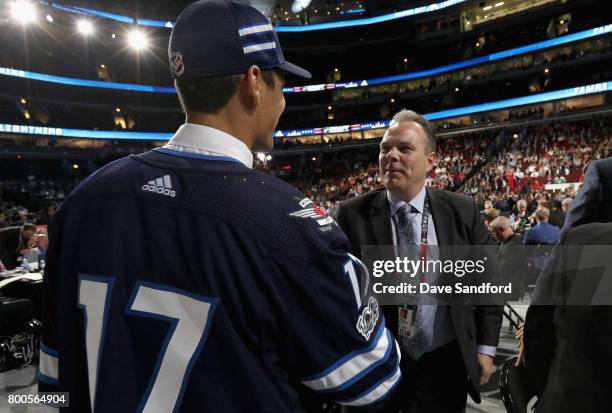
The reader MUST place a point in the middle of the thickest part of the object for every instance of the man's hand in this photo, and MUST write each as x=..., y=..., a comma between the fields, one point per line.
x=486, y=368
x=25, y=251
x=520, y=361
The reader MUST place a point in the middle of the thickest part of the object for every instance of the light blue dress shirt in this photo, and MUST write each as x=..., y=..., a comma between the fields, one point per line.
x=437, y=326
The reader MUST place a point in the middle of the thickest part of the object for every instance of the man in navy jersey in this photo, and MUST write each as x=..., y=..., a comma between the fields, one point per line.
x=180, y=280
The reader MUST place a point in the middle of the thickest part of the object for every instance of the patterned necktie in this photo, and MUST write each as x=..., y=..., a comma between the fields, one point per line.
x=407, y=246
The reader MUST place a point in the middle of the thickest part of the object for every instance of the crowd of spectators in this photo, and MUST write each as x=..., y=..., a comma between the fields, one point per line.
x=506, y=171
x=548, y=153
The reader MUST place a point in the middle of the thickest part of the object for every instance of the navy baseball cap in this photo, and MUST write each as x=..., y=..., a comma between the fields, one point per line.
x=223, y=37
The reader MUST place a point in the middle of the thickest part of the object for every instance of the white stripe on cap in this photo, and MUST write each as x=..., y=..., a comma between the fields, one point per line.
x=255, y=29
x=259, y=47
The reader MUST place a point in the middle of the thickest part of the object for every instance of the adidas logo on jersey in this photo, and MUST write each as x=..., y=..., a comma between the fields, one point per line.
x=161, y=186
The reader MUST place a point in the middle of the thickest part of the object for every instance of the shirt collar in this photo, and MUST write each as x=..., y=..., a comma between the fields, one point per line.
x=201, y=139
x=418, y=202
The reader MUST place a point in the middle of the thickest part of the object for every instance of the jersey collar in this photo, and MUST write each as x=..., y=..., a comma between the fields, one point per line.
x=204, y=140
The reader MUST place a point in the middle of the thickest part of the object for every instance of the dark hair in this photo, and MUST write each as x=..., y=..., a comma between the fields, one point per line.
x=546, y=204
x=29, y=227
x=211, y=94
x=406, y=115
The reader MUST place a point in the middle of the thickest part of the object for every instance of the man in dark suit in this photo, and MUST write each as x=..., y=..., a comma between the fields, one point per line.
x=557, y=216
x=511, y=258
x=592, y=203
x=567, y=349
x=457, y=343
x=14, y=242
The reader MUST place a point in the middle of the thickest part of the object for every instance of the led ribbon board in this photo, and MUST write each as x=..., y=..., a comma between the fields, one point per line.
x=570, y=38
x=83, y=82
x=445, y=114
x=559, y=41
x=280, y=29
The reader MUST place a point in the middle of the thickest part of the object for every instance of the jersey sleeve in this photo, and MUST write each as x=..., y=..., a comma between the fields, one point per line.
x=337, y=342
x=48, y=370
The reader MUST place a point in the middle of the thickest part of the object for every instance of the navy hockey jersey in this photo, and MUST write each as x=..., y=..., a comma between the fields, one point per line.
x=178, y=282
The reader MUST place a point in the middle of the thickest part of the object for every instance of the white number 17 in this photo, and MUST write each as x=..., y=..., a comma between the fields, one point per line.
x=188, y=316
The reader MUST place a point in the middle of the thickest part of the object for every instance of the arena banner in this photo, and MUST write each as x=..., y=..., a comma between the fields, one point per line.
x=546, y=44
x=328, y=130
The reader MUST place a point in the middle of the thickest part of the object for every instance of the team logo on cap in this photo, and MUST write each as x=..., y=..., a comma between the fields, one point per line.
x=176, y=63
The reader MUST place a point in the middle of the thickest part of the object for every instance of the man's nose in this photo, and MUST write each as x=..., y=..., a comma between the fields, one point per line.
x=392, y=155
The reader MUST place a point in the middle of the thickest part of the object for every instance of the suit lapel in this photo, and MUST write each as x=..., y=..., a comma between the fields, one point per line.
x=381, y=219
x=442, y=218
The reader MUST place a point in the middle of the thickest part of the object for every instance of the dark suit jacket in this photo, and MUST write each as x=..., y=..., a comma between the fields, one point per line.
x=366, y=221
x=592, y=203
x=9, y=246
x=512, y=261
x=557, y=218
x=567, y=347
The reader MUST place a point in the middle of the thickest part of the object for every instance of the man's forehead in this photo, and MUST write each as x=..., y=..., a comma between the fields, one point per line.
x=404, y=132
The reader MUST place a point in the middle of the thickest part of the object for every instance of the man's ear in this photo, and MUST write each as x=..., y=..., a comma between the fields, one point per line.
x=431, y=161
x=252, y=86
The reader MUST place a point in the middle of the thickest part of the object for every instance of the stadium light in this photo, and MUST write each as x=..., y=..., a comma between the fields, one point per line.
x=269, y=158
x=23, y=11
x=49, y=18
x=137, y=40
x=85, y=27
x=299, y=5
x=261, y=156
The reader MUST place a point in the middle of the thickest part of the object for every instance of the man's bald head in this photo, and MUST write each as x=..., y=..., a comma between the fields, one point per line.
x=501, y=228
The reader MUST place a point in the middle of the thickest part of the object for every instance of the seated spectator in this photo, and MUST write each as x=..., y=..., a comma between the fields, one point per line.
x=557, y=217
x=45, y=216
x=565, y=204
x=16, y=242
x=3, y=220
x=542, y=235
x=520, y=220
x=511, y=257
x=490, y=215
